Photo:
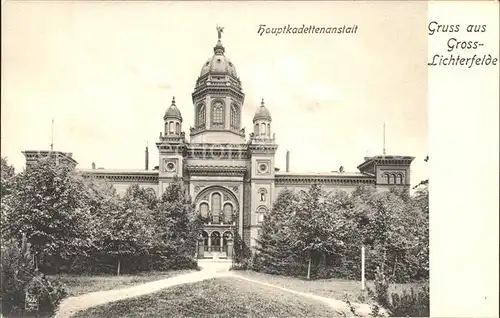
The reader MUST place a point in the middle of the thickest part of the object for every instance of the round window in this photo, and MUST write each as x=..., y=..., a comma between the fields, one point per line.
x=263, y=167
x=170, y=166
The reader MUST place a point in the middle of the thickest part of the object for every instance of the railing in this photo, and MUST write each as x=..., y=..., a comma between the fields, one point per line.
x=215, y=248
x=218, y=219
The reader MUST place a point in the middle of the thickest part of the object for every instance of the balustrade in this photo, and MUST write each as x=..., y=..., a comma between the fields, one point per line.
x=218, y=219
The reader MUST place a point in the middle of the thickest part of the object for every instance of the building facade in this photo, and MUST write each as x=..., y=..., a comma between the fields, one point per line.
x=232, y=178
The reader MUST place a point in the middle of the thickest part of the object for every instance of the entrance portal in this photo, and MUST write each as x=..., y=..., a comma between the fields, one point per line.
x=204, y=235
x=215, y=241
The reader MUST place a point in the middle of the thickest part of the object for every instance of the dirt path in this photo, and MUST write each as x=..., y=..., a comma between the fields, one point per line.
x=338, y=305
x=72, y=305
x=208, y=270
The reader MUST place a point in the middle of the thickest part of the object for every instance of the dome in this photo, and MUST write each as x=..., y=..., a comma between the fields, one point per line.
x=262, y=113
x=173, y=111
x=218, y=63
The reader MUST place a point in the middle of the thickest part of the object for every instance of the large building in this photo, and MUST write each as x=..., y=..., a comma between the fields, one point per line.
x=232, y=179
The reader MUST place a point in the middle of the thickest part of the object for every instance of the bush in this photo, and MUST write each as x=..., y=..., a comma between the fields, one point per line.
x=406, y=303
x=49, y=293
x=411, y=304
x=241, y=250
x=244, y=264
x=19, y=277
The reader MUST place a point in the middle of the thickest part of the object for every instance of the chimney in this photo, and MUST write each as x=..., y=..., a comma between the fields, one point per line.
x=147, y=158
x=287, y=161
x=93, y=165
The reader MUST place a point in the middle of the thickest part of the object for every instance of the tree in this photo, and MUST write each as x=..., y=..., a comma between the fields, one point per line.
x=347, y=257
x=274, y=250
x=242, y=253
x=316, y=225
x=391, y=226
x=7, y=177
x=177, y=225
x=47, y=203
x=128, y=233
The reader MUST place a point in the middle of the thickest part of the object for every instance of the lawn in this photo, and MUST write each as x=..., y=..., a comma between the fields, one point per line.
x=331, y=288
x=219, y=297
x=78, y=285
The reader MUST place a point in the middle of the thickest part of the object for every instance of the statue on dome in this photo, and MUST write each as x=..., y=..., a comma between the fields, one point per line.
x=220, y=29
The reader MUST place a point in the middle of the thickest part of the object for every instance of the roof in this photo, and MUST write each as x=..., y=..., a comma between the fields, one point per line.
x=262, y=112
x=29, y=154
x=218, y=63
x=118, y=171
x=173, y=111
x=321, y=174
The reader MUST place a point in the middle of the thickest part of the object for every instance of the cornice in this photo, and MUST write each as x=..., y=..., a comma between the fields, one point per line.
x=334, y=180
x=126, y=177
x=217, y=170
x=216, y=146
x=225, y=90
x=386, y=160
x=217, y=151
x=262, y=148
x=196, y=131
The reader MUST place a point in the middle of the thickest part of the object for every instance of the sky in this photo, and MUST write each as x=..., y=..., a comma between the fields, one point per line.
x=107, y=71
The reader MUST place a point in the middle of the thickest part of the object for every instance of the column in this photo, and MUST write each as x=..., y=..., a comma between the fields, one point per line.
x=201, y=247
x=229, y=247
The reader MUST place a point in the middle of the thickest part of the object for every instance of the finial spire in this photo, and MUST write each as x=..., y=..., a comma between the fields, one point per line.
x=52, y=137
x=384, y=150
x=173, y=100
x=262, y=102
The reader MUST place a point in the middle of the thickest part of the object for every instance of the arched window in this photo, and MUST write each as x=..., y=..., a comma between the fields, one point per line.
x=400, y=178
x=178, y=128
x=394, y=178
x=268, y=130
x=388, y=177
x=235, y=116
x=256, y=129
x=171, y=127
x=262, y=129
x=200, y=116
x=228, y=213
x=204, y=209
x=218, y=115
x=216, y=207
x=261, y=211
x=262, y=194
